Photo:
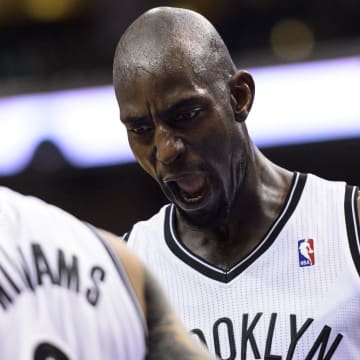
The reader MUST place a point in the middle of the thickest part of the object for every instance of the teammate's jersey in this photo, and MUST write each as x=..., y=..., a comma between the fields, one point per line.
x=63, y=294
x=295, y=296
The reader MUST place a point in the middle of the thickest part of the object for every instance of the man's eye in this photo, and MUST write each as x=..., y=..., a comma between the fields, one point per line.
x=140, y=130
x=189, y=115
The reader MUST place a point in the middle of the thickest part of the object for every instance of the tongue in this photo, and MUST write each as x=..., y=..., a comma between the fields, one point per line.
x=191, y=184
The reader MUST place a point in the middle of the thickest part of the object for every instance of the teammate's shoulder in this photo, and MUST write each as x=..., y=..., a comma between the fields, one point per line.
x=27, y=209
x=10, y=196
x=132, y=265
x=6, y=194
x=14, y=201
x=120, y=249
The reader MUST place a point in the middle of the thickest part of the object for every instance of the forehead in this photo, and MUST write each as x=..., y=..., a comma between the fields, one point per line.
x=158, y=87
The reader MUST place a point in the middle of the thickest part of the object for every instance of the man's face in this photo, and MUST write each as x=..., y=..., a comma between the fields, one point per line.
x=183, y=133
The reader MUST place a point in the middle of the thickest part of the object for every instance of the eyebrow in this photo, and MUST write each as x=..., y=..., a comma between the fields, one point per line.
x=182, y=103
x=135, y=119
x=164, y=113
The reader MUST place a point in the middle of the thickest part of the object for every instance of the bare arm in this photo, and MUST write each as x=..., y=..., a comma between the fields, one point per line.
x=167, y=338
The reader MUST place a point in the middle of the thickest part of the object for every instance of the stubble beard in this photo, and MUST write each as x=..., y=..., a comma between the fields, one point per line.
x=211, y=217
x=223, y=204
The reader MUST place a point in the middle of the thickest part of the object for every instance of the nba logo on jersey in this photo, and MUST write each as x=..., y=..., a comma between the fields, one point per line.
x=306, y=252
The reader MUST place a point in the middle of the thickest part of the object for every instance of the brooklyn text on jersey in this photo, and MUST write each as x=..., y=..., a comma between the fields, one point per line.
x=224, y=332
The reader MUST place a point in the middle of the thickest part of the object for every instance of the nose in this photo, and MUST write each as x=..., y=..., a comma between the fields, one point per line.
x=168, y=147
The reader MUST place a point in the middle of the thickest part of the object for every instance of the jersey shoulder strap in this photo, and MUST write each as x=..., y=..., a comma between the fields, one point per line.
x=352, y=223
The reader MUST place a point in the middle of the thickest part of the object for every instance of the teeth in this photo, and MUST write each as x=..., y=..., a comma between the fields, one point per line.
x=189, y=198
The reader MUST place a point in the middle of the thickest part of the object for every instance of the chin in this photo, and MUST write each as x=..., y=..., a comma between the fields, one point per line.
x=205, y=217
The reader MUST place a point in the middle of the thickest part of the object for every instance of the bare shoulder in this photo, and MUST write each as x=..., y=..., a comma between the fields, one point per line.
x=133, y=267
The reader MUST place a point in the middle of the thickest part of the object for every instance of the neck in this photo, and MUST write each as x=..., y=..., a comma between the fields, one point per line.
x=256, y=205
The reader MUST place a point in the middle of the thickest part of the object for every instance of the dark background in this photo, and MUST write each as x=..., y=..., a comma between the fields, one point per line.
x=59, y=44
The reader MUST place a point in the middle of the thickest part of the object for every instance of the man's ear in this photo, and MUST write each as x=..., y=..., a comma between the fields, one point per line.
x=242, y=88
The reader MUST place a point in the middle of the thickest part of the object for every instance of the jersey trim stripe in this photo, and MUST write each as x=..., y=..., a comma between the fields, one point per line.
x=126, y=236
x=219, y=274
x=352, y=226
x=123, y=275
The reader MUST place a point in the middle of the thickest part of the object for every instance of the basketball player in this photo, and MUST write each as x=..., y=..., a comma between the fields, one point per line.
x=67, y=293
x=259, y=262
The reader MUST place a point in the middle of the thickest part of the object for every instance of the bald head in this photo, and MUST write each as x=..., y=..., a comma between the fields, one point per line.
x=167, y=39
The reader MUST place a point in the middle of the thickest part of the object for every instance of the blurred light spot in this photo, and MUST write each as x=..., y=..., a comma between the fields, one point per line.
x=292, y=40
x=50, y=10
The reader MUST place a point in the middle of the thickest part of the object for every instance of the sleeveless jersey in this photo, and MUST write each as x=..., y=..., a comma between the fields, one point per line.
x=63, y=293
x=295, y=296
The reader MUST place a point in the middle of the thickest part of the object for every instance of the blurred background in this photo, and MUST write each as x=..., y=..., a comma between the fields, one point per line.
x=60, y=134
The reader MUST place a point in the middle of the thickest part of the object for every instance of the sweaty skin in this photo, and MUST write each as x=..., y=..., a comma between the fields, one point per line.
x=184, y=105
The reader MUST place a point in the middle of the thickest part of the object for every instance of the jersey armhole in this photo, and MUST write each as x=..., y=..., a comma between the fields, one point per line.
x=126, y=236
x=352, y=224
x=122, y=273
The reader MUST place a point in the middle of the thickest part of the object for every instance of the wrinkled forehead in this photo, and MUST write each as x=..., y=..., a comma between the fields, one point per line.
x=160, y=85
x=182, y=56
x=160, y=72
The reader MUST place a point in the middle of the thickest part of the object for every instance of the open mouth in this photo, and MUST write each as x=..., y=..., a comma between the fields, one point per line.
x=189, y=189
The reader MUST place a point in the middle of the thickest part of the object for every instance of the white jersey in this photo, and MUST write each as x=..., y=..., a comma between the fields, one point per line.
x=295, y=296
x=63, y=294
